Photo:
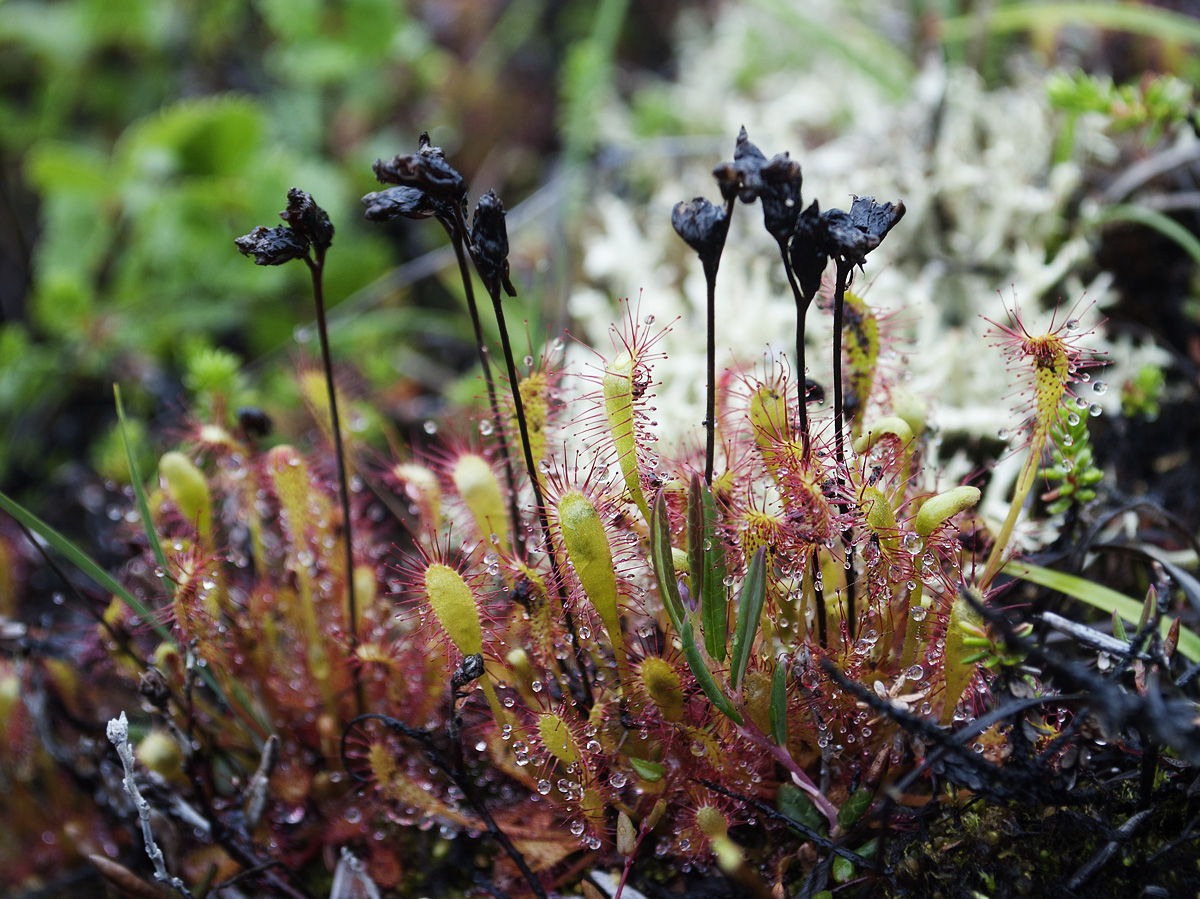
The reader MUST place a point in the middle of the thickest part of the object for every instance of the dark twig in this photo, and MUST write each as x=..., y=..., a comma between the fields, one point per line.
x=1124, y=832
x=775, y=815
x=453, y=770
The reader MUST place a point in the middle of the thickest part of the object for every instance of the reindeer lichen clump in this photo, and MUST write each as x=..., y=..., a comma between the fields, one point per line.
x=716, y=654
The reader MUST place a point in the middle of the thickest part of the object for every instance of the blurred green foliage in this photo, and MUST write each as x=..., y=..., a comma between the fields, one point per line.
x=147, y=134
x=139, y=137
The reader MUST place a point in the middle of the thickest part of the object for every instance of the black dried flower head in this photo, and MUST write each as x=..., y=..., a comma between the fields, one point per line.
x=307, y=226
x=427, y=170
x=742, y=177
x=854, y=234
x=780, y=195
x=398, y=202
x=489, y=240
x=809, y=250
x=272, y=246
x=876, y=219
x=308, y=220
x=703, y=226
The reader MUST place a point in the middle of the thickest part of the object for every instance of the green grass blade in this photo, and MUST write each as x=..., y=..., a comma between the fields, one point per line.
x=695, y=534
x=714, y=597
x=750, y=605
x=1152, y=218
x=139, y=491
x=668, y=591
x=853, y=42
x=779, y=726
x=1100, y=597
x=664, y=564
x=82, y=561
x=1135, y=19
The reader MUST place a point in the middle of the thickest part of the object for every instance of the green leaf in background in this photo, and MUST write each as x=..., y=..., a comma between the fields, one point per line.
x=798, y=805
x=651, y=772
x=1135, y=19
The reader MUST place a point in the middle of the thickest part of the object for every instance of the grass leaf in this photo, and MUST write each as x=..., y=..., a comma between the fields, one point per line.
x=779, y=726
x=82, y=561
x=1135, y=19
x=139, y=491
x=750, y=604
x=714, y=595
x=668, y=591
x=1100, y=597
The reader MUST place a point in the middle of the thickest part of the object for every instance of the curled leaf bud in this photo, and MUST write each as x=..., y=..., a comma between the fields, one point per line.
x=703, y=226
x=398, y=202
x=307, y=220
x=427, y=170
x=272, y=246
x=489, y=239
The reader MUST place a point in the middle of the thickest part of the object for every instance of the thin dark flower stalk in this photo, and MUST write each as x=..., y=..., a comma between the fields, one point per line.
x=316, y=267
x=844, y=269
x=802, y=304
x=710, y=265
x=585, y=686
x=819, y=600
x=710, y=379
x=457, y=230
x=704, y=227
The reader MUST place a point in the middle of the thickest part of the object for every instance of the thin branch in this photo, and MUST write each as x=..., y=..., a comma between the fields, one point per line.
x=118, y=735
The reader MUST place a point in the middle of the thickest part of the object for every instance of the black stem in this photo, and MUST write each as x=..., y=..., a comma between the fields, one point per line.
x=802, y=304
x=316, y=266
x=839, y=303
x=710, y=400
x=844, y=269
x=457, y=231
x=819, y=599
x=585, y=686
x=710, y=262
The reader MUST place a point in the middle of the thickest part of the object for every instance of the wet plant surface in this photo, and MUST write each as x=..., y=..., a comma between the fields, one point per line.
x=543, y=648
x=782, y=662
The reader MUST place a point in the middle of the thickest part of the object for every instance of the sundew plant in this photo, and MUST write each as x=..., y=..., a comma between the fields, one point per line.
x=553, y=654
